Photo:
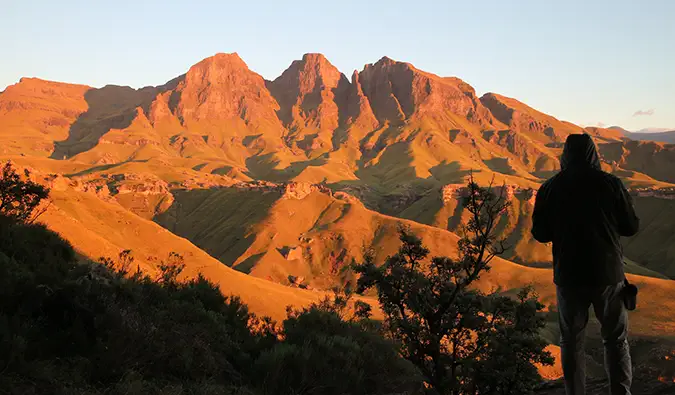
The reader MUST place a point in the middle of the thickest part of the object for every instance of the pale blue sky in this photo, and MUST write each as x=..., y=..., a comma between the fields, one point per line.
x=584, y=61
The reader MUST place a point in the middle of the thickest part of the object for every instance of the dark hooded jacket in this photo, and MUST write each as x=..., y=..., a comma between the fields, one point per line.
x=584, y=212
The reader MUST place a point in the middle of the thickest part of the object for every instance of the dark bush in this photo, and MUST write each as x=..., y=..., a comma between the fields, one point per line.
x=20, y=197
x=65, y=324
x=323, y=354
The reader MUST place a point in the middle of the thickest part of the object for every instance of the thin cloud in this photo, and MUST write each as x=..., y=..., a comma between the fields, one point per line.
x=648, y=113
x=593, y=125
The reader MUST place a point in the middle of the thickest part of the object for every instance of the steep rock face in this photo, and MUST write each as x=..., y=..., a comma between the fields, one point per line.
x=398, y=91
x=311, y=93
x=358, y=112
x=222, y=87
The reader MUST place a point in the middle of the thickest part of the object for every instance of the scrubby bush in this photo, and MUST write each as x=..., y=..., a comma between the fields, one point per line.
x=324, y=354
x=20, y=197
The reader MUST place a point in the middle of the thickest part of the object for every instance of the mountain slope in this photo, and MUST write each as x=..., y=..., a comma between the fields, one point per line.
x=393, y=136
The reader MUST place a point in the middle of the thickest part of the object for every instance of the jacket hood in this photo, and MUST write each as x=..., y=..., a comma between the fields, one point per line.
x=579, y=152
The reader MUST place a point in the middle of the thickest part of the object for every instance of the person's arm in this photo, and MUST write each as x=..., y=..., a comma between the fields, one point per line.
x=628, y=222
x=541, y=224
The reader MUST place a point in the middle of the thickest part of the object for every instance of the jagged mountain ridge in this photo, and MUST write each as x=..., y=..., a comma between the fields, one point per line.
x=392, y=136
x=310, y=124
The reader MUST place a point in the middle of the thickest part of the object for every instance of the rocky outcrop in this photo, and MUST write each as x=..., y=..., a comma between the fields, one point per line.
x=300, y=190
x=659, y=193
x=344, y=196
x=506, y=191
x=452, y=192
x=134, y=183
x=98, y=187
x=530, y=195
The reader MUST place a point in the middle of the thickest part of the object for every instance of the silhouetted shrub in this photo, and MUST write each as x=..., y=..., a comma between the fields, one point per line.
x=19, y=196
x=323, y=354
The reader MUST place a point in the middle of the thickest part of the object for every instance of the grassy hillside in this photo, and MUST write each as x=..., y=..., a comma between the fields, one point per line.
x=97, y=228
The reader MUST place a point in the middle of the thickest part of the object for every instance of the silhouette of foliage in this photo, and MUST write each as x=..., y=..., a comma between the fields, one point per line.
x=171, y=269
x=326, y=352
x=19, y=196
x=462, y=340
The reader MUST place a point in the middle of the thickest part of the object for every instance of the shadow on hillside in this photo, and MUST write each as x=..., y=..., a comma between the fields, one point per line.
x=110, y=107
x=109, y=166
x=219, y=221
x=264, y=167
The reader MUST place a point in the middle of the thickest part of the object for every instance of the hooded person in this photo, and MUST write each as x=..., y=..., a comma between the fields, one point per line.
x=584, y=211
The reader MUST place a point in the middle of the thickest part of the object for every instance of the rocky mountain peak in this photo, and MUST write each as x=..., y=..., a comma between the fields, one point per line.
x=223, y=87
x=310, y=93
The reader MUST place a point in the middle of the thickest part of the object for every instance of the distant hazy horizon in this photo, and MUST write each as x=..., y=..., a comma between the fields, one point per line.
x=593, y=63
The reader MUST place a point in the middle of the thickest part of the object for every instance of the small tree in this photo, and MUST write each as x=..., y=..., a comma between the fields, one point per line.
x=341, y=303
x=459, y=338
x=330, y=348
x=170, y=269
x=19, y=196
x=122, y=266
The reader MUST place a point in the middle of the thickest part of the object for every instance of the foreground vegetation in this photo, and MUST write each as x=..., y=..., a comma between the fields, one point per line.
x=82, y=327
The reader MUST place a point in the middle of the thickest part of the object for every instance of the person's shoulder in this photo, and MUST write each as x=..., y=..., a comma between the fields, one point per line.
x=608, y=177
x=610, y=180
x=546, y=187
x=550, y=182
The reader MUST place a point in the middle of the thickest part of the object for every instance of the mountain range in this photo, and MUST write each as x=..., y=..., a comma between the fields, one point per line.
x=651, y=134
x=271, y=187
